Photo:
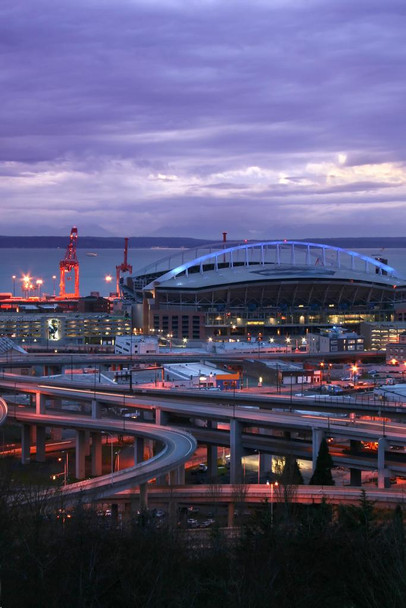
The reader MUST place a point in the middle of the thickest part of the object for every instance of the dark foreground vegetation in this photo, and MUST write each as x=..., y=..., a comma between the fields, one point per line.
x=310, y=556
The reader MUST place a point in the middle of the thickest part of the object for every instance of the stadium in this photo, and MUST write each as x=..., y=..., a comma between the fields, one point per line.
x=262, y=288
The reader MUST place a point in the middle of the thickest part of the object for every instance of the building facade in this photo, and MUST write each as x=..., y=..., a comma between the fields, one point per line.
x=377, y=336
x=51, y=330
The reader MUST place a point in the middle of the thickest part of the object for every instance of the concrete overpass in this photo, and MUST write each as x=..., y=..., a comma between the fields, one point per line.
x=177, y=448
x=168, y=404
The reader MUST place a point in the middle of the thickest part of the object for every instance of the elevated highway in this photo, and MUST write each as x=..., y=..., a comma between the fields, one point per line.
x=252, y=427
x=61, y=359
x=178, y=448
x=366, y=405
x=259, y=493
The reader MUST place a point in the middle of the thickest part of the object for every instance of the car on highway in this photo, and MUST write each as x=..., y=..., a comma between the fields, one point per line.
x=207, y=523
x=192, y=523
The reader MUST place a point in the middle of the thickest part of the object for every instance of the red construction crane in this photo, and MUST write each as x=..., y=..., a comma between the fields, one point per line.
x=124, y=267
x=70, y=262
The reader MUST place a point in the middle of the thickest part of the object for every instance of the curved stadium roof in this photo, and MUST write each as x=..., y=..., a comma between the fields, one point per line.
x=262, y=262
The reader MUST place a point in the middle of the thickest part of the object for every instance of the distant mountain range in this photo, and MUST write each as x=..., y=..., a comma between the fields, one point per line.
x=96, y=242
x=145, y=242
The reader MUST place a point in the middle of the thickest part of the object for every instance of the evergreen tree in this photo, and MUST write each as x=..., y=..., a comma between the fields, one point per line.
x=322, y=474
x=358, y=516
x=291, y=474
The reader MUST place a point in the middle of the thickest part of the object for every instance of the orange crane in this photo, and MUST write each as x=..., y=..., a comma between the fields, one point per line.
x=70, y=262
x=124, y=267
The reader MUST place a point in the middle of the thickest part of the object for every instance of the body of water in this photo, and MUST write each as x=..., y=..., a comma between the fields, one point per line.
x=43, y=264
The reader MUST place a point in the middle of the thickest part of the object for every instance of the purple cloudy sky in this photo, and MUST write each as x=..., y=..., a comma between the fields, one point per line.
x=265, y=119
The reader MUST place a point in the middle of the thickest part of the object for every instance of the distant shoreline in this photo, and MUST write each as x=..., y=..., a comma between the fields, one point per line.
x=91, y=243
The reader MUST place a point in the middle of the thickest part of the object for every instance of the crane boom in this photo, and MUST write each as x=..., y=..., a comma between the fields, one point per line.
x=70, y=262
x=123, y=267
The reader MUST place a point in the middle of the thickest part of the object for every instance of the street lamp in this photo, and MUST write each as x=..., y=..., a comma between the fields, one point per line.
x=65, y=471
x=14, y=285
x=354, y=370
x=54, y=283
x=272, y=484
x=39, y=283
x=26, y=284
x=65, y=468
x=287, y=343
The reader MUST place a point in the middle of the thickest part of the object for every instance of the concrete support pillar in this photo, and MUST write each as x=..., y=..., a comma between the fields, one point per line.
x=56, y=433
x=177, y=476
x=265, y=465
x=40, y=402
x=96, y=453
x=161, y=417
x=230, y=515
x=80, y=470
x=114, y=512
x=355, y=474
x=138, y=450
x=162, y=480
x=25, y=443
x=236, y=451
x=128, y=510
x=148, y=448
x=40, y=444
x=173, y=477
x=172, y=512
x=212, y=454
x=355, y=446
x=87, y=443
x=181, y=475
x=96, y=409
x=143, y=496
x=355, y=477
x=383, y=473
x=317, y=438
x=212, y=461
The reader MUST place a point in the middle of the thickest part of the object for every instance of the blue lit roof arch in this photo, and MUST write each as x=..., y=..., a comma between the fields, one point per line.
x=327, y=256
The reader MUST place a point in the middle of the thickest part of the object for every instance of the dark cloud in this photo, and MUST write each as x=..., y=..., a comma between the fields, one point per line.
x=203, y=108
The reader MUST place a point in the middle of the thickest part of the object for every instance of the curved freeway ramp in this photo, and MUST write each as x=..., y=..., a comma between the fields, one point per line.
x=178, y=449
x=3, y=410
